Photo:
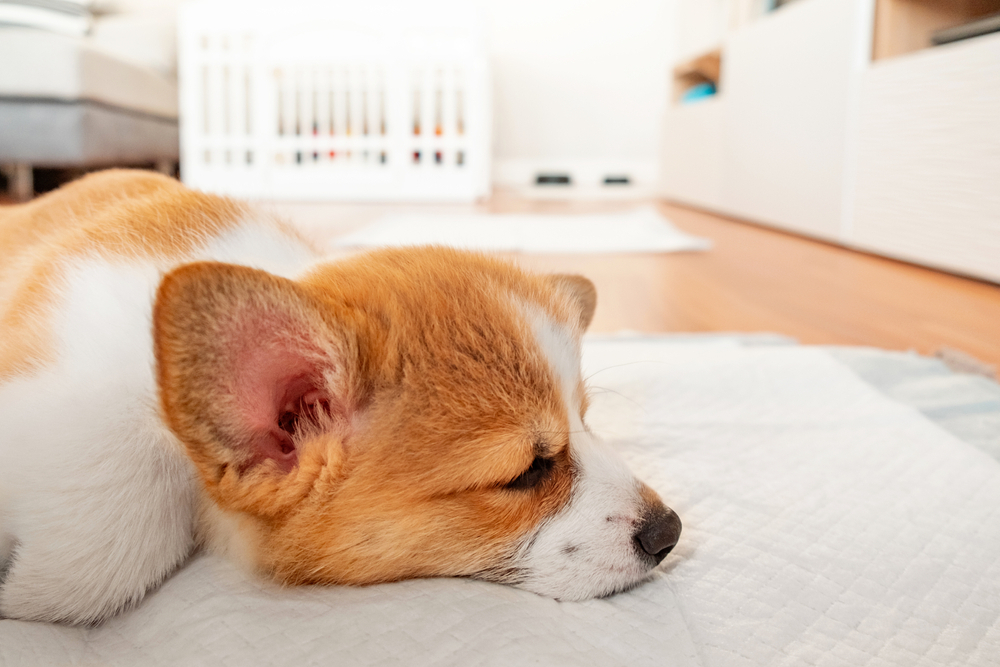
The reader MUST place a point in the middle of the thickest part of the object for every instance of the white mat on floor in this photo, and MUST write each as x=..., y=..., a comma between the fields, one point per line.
x=642, y=230
x=824, y=524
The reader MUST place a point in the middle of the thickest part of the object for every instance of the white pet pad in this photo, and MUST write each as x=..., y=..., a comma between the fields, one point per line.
x=642, y=230
x=823, y=524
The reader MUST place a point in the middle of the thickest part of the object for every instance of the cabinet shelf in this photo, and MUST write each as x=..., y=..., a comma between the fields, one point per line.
x=905, y=26
x=705, y=68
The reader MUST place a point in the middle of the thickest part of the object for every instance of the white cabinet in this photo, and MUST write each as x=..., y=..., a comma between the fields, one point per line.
x=772, y=145
x=787, y=81
x=695, y=166
x=898, y=155
x=928, y=167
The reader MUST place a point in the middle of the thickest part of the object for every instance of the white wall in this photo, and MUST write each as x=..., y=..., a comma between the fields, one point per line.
x=580, y=85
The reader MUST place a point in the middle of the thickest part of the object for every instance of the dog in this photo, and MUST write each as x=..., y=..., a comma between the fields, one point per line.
x=178, y=370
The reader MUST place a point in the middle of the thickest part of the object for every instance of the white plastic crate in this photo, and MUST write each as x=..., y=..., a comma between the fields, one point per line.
x=334, y=100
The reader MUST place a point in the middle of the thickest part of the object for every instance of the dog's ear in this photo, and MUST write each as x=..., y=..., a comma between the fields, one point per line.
x=581, y=291
x=245, y=361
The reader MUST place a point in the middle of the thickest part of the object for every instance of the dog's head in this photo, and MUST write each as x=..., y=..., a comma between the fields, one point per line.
x=405, y=413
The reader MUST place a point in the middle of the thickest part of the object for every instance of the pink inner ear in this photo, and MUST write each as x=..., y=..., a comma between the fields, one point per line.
x=278, y=386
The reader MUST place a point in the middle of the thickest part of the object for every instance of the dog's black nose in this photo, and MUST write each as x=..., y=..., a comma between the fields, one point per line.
x=658, y=533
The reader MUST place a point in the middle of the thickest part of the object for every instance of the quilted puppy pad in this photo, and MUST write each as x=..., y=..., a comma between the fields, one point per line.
x=824, y=523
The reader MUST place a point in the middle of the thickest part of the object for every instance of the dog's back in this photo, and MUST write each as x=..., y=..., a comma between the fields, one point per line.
x=114, y=215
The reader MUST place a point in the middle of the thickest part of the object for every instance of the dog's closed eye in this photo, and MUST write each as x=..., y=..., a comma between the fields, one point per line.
x=533, y=476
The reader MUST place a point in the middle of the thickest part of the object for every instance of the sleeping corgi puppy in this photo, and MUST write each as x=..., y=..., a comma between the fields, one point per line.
x=178, y=370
